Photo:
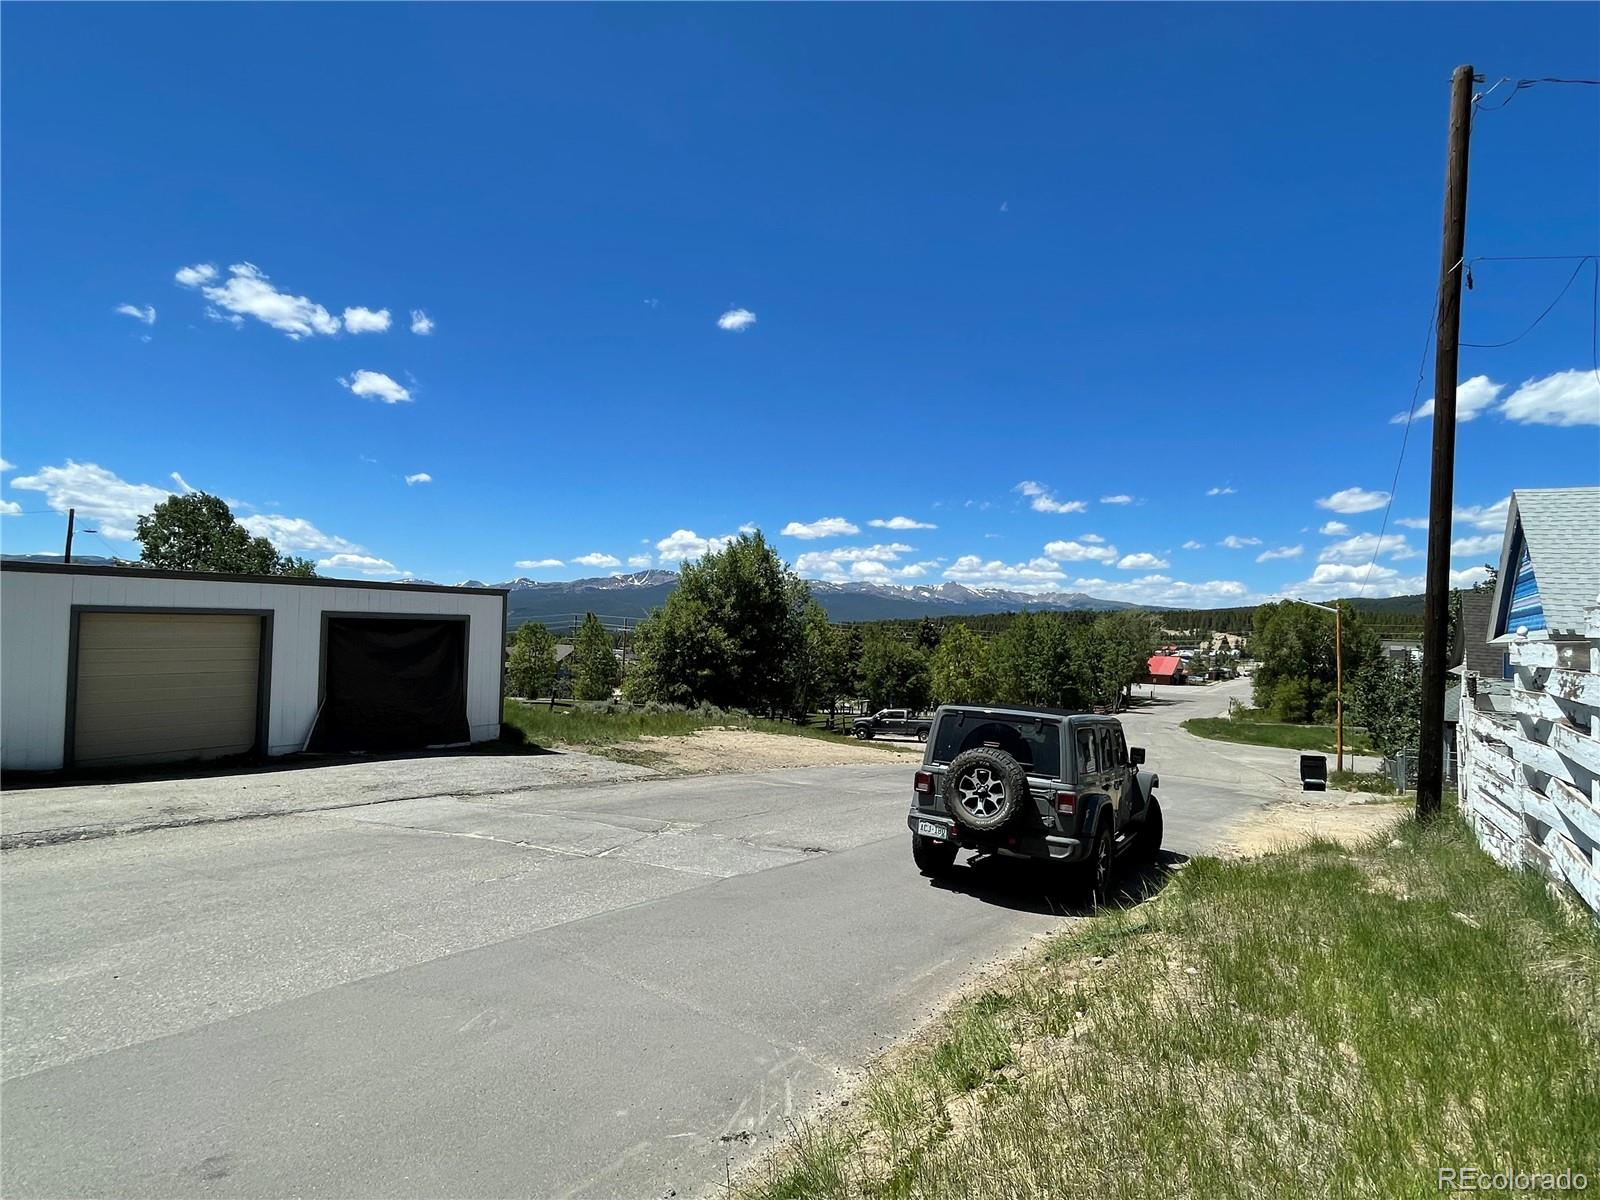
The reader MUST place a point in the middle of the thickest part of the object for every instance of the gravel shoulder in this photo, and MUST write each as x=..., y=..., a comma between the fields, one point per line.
x=727, y=751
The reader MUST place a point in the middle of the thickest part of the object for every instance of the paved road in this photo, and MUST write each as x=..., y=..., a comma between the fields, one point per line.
x=569, y=990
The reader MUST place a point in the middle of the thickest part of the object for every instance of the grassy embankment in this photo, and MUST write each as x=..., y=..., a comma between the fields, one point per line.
x=1249, y=727
x=1322, y=1021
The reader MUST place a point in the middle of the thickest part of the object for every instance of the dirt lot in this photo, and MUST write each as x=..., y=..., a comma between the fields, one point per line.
x=1345, y=817
x=720, y=751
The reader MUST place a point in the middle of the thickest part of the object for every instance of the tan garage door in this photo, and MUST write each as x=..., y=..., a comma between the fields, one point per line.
x=158, y=687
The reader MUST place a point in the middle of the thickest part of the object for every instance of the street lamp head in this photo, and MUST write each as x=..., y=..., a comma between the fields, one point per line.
x=1313, y=604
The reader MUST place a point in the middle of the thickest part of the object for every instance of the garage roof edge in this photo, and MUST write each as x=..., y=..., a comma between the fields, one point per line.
x=40, y=568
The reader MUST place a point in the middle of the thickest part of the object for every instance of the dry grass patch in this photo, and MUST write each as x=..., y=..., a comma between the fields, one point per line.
x=1287, y=1025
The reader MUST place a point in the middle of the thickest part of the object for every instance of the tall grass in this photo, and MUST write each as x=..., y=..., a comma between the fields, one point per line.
x=1319, y=1022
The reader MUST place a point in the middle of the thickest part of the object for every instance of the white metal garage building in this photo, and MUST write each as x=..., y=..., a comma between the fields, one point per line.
x=103, y=666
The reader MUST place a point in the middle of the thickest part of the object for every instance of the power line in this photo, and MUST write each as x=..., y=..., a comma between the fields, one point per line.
x=1518, y=86
x=1405, y=437
x=1548, y=308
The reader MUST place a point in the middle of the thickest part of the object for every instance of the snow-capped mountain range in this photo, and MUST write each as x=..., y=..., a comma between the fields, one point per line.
x=638, y=594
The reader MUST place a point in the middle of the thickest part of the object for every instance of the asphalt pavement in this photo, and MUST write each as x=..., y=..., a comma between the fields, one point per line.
x=584, y=989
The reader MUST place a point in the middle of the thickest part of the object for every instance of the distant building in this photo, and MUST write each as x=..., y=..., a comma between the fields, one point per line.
x=1166, y=668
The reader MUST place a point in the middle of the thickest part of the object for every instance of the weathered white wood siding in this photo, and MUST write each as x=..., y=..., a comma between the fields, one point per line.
x=1530, y=777
x=35, y=630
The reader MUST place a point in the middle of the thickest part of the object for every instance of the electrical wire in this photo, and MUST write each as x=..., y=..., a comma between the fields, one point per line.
x=1548, y=309
x=1521, y=85
x=1405, y=438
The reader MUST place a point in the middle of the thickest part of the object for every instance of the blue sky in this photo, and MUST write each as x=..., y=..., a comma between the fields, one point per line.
x=687, y=269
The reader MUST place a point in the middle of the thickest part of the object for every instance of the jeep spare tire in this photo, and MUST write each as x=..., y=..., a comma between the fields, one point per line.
x=985, y=788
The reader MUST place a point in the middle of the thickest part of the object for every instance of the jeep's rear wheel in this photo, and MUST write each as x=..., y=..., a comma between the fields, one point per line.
x=1150, y=832
x=922, y=735
x=985, y=789
x=1098, y=870
x=932, y=857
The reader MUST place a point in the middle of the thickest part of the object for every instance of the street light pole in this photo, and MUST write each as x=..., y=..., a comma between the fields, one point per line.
x=1338, y=668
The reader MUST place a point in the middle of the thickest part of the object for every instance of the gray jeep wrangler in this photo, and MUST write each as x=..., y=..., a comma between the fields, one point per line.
x=1033, y=783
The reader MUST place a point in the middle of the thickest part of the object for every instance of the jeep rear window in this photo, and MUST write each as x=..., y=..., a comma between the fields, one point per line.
x=1035, y=744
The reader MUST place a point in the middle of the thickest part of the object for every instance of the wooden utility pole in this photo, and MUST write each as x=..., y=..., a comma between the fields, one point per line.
x=1441, y=495
x=72, y=516
x=1338, y=676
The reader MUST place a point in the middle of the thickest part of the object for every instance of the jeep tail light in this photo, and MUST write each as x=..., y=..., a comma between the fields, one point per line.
x=1066, y=803
x=923, y=783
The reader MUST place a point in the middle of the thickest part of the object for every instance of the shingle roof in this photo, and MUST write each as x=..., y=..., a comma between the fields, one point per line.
x=1561, y=527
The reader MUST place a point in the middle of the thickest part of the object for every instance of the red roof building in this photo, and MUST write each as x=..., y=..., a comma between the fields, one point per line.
x=1165, y=668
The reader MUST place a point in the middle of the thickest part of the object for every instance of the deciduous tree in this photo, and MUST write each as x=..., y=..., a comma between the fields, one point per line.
x=728, y=634
x=197, y=532
x=960, y=671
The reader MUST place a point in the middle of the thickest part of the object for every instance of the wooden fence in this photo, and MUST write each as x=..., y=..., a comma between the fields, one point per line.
x=1530, y=765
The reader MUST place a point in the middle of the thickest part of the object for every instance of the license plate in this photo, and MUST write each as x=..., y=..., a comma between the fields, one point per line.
x=929, y=829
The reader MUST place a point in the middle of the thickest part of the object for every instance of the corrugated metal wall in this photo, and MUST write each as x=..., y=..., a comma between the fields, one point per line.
x=35, y=630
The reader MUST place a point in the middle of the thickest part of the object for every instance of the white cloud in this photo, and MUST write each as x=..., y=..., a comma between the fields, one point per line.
x=639, y=560
x=1484, y=543
x=1119, y=499
x=1234, y=542
x=915, y=570
x=596, y=559
x=1347, y=573
x=1354, y=500
x=421, y=323
x=1091, y=537
x=1565, y=398
x=233, y=319
x=1362, y=546
x=1143, y=561
x=1220, y=491
x=249, y=293
x=1038, y=574
x=869, y=570
x=183, y=484
x=1280, y=552
x=360, y=564
x=686, y=543
x=1160, y=589
x=1040, y=499
x=1413, y=522
x=899, y=523
x=820, y=528
x=1191, y=544
x=289, y=534
x=147, y=314
x=537, y=564
x=736, y=320
x=749, y=527
x=1079, y=552
x=1470, y=577
x=419, y=477
x=375, y=385
x=364, y=320
x=6, y=465
x=1473, y=397
x=831, y=564
x=196, y=275
x=112, y=503
x=1484, y=517
x=1334, y=529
